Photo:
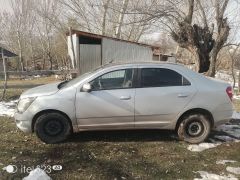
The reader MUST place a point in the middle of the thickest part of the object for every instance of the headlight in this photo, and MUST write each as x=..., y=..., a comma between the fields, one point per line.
x=23, y=104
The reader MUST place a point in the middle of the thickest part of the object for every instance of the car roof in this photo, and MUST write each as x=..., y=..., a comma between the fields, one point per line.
x=140, y=63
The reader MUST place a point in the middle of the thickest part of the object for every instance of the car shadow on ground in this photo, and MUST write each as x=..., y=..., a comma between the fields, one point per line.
x=142, y=135
x=124, y=136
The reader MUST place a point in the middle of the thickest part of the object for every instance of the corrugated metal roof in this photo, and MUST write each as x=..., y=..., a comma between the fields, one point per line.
x=6, y=52
x=97, y=36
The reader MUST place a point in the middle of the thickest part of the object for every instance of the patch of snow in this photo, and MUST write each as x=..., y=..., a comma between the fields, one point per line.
x=227, y=138
x=37, y=174
x=202, y=146
x=236, y=115
x=225, y=161
x=236, y=97
x=234, y=170
x=226, y=76
x=7, y=108
x=233, y=130
x=223, y=75
x=210, y=176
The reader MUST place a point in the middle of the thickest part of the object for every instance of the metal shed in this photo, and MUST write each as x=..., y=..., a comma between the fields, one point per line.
x=5, y=53
x=92, y=50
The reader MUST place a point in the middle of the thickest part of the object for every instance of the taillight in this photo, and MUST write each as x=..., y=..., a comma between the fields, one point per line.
x=229, y=92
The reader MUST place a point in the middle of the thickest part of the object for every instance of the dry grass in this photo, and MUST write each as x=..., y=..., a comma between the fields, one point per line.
x=109, y=155
x=31, y=81
x=16, y=86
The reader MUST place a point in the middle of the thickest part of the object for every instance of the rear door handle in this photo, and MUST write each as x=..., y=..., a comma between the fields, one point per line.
x=125, y=97
x=182, y=95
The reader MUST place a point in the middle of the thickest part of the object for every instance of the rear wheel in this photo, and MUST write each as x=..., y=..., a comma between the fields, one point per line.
x=194, y=128
x=52, y=128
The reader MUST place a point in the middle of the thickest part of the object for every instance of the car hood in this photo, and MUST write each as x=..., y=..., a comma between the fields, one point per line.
x=44, y=90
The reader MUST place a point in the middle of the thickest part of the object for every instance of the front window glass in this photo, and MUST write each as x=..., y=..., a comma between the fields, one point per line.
x=114, y=80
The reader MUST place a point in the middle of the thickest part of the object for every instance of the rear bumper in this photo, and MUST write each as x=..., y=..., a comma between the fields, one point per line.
x=222, y=117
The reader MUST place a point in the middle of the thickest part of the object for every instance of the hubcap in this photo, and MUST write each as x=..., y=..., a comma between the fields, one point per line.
x=194, y=128
x=53, y=128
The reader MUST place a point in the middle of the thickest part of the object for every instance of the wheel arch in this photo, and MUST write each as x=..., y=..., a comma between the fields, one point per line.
x=50, y=111
x=205, y=112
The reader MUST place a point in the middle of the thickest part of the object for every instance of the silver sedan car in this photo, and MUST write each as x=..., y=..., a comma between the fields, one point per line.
x=142, y=95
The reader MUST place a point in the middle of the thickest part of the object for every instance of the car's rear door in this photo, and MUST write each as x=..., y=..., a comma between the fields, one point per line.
x=161, y=95
x=110, y=104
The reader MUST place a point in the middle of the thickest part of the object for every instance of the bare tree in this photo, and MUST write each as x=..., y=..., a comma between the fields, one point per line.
x=120, y=18
x=193, y=28
x=233, y=52
x=20, y=16
x=200, y=40
x=109, y=17
x=105, y=12
x=222, y=33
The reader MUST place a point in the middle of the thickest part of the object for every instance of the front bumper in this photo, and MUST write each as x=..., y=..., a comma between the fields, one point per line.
x=23, y=122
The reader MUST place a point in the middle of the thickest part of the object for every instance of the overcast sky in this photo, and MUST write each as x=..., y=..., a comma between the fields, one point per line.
x=4, y=5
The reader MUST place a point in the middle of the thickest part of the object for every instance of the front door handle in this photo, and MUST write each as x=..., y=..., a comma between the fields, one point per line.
x=182, y=95
x=125, y=97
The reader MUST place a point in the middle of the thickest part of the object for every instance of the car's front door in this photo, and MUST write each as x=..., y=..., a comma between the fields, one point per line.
x=110, y=104
x=161, y=95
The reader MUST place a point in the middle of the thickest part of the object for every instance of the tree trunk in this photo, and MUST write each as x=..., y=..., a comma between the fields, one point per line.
x=5, y=75
x=198, y=40
x=233, y=74
x=44, y=63
x=120, y=19
x=238, y=82
x=20, y=51
x=105, y=6
x=212, y=69
x=50, y=59
x=72, y=48
x=32, y=54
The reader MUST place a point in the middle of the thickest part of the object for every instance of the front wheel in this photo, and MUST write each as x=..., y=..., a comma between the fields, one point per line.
x=52, y=128
x=194, y=128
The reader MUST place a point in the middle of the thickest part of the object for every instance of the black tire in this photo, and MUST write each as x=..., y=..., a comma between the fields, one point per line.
x=52, y=128
x=194, y=128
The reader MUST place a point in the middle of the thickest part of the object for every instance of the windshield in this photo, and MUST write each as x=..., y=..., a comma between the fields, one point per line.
x=77, y=79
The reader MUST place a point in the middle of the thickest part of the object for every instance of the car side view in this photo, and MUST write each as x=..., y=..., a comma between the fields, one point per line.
x=145, y=95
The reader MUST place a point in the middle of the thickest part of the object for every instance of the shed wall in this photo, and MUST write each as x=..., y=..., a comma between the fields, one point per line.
x=119, y=51
x=90, y=57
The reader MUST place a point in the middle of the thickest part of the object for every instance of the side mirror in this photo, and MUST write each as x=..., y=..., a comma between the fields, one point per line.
x=86, y=87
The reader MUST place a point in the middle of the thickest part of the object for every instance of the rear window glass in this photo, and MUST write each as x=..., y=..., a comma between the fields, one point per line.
x=161, y=77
